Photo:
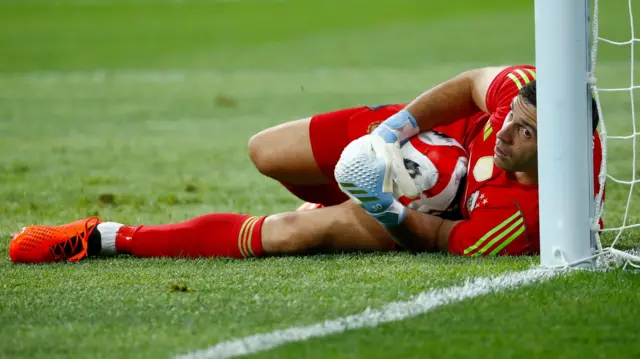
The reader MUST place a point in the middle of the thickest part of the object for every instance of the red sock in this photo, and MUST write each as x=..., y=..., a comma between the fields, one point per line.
x=211, y=235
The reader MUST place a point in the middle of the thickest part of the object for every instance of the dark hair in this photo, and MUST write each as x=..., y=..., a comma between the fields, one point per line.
x=528, y=93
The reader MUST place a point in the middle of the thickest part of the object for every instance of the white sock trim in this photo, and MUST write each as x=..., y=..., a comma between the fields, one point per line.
x=108, y=232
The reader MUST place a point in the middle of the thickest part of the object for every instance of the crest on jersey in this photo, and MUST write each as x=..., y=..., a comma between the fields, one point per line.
x=476, y=200
x=471, y=201
x=483, y=170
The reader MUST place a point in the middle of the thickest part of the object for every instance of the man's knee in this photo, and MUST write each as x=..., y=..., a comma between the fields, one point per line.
x=290, y=233
x=276, y=150
x=261, y=152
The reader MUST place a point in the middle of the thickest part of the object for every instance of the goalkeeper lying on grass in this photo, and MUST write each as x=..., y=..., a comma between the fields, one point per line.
x=491, y=112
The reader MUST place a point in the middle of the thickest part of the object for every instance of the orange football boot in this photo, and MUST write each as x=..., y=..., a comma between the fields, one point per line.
x=46, y=244
x=309, y=206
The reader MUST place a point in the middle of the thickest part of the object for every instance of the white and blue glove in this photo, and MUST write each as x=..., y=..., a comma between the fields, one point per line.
x=370, y=166
x=398, y=128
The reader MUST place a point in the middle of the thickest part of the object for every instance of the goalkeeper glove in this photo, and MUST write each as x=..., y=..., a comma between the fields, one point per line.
x=366, y=176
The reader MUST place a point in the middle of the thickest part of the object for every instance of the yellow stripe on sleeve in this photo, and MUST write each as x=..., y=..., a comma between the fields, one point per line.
x=497, y=238
x=524, y=76
x=515, y=79
x=508, y=240
x=532, y=73
x=491, y=232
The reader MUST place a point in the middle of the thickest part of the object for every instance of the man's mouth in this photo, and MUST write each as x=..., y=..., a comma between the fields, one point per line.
x=499, y=152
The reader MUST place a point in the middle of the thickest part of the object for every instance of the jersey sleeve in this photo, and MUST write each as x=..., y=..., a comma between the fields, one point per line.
x=505, y=87
x=509, y=229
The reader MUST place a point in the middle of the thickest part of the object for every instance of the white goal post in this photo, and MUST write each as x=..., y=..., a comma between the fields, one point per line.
x=564, y=132
x=565, y=65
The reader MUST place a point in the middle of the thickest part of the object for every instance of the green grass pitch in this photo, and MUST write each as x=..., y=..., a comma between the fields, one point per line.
x=140, y=112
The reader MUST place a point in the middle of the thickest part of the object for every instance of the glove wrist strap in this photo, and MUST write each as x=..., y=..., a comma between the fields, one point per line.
x=399, y=127
x=392, y=216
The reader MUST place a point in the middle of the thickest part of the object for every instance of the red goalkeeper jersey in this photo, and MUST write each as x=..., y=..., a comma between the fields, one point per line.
x=501, y=214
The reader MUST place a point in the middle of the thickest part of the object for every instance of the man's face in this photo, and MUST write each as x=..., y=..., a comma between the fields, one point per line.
x=516, y=145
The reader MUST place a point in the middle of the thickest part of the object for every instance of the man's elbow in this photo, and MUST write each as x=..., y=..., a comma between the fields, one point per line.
x=420, y=232
x=479, y=80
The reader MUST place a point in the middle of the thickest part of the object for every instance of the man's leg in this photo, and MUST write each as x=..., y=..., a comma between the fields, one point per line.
x=345, y=227
x=342, y=228
x=285, y=153
x=302, y=154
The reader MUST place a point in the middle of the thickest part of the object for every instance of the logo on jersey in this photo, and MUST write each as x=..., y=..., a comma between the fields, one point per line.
x=471, y=201
x=476, y=200
x=488, y=130
x=483, y=169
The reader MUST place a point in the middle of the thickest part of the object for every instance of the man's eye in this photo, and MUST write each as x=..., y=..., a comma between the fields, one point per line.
x=526, y=132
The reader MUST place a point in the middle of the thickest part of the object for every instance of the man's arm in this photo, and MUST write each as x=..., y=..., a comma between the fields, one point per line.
x=461, y=96
x=421, y=232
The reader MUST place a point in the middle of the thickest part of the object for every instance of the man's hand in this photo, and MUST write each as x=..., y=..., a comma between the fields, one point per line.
x=386, y=141
x=366, y=172
x=398, y=128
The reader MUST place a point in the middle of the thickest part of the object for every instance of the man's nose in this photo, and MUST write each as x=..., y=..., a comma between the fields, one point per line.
x=504, y=135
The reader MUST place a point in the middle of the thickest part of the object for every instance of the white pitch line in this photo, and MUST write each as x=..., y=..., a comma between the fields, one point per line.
x=391, y=312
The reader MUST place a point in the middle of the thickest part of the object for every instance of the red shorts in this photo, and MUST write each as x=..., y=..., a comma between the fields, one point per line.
x=331, y=132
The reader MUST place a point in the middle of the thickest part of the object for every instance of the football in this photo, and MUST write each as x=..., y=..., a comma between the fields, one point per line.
x=437, y=164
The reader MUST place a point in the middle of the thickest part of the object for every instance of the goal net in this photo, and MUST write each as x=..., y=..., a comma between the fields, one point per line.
x=614, y=87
